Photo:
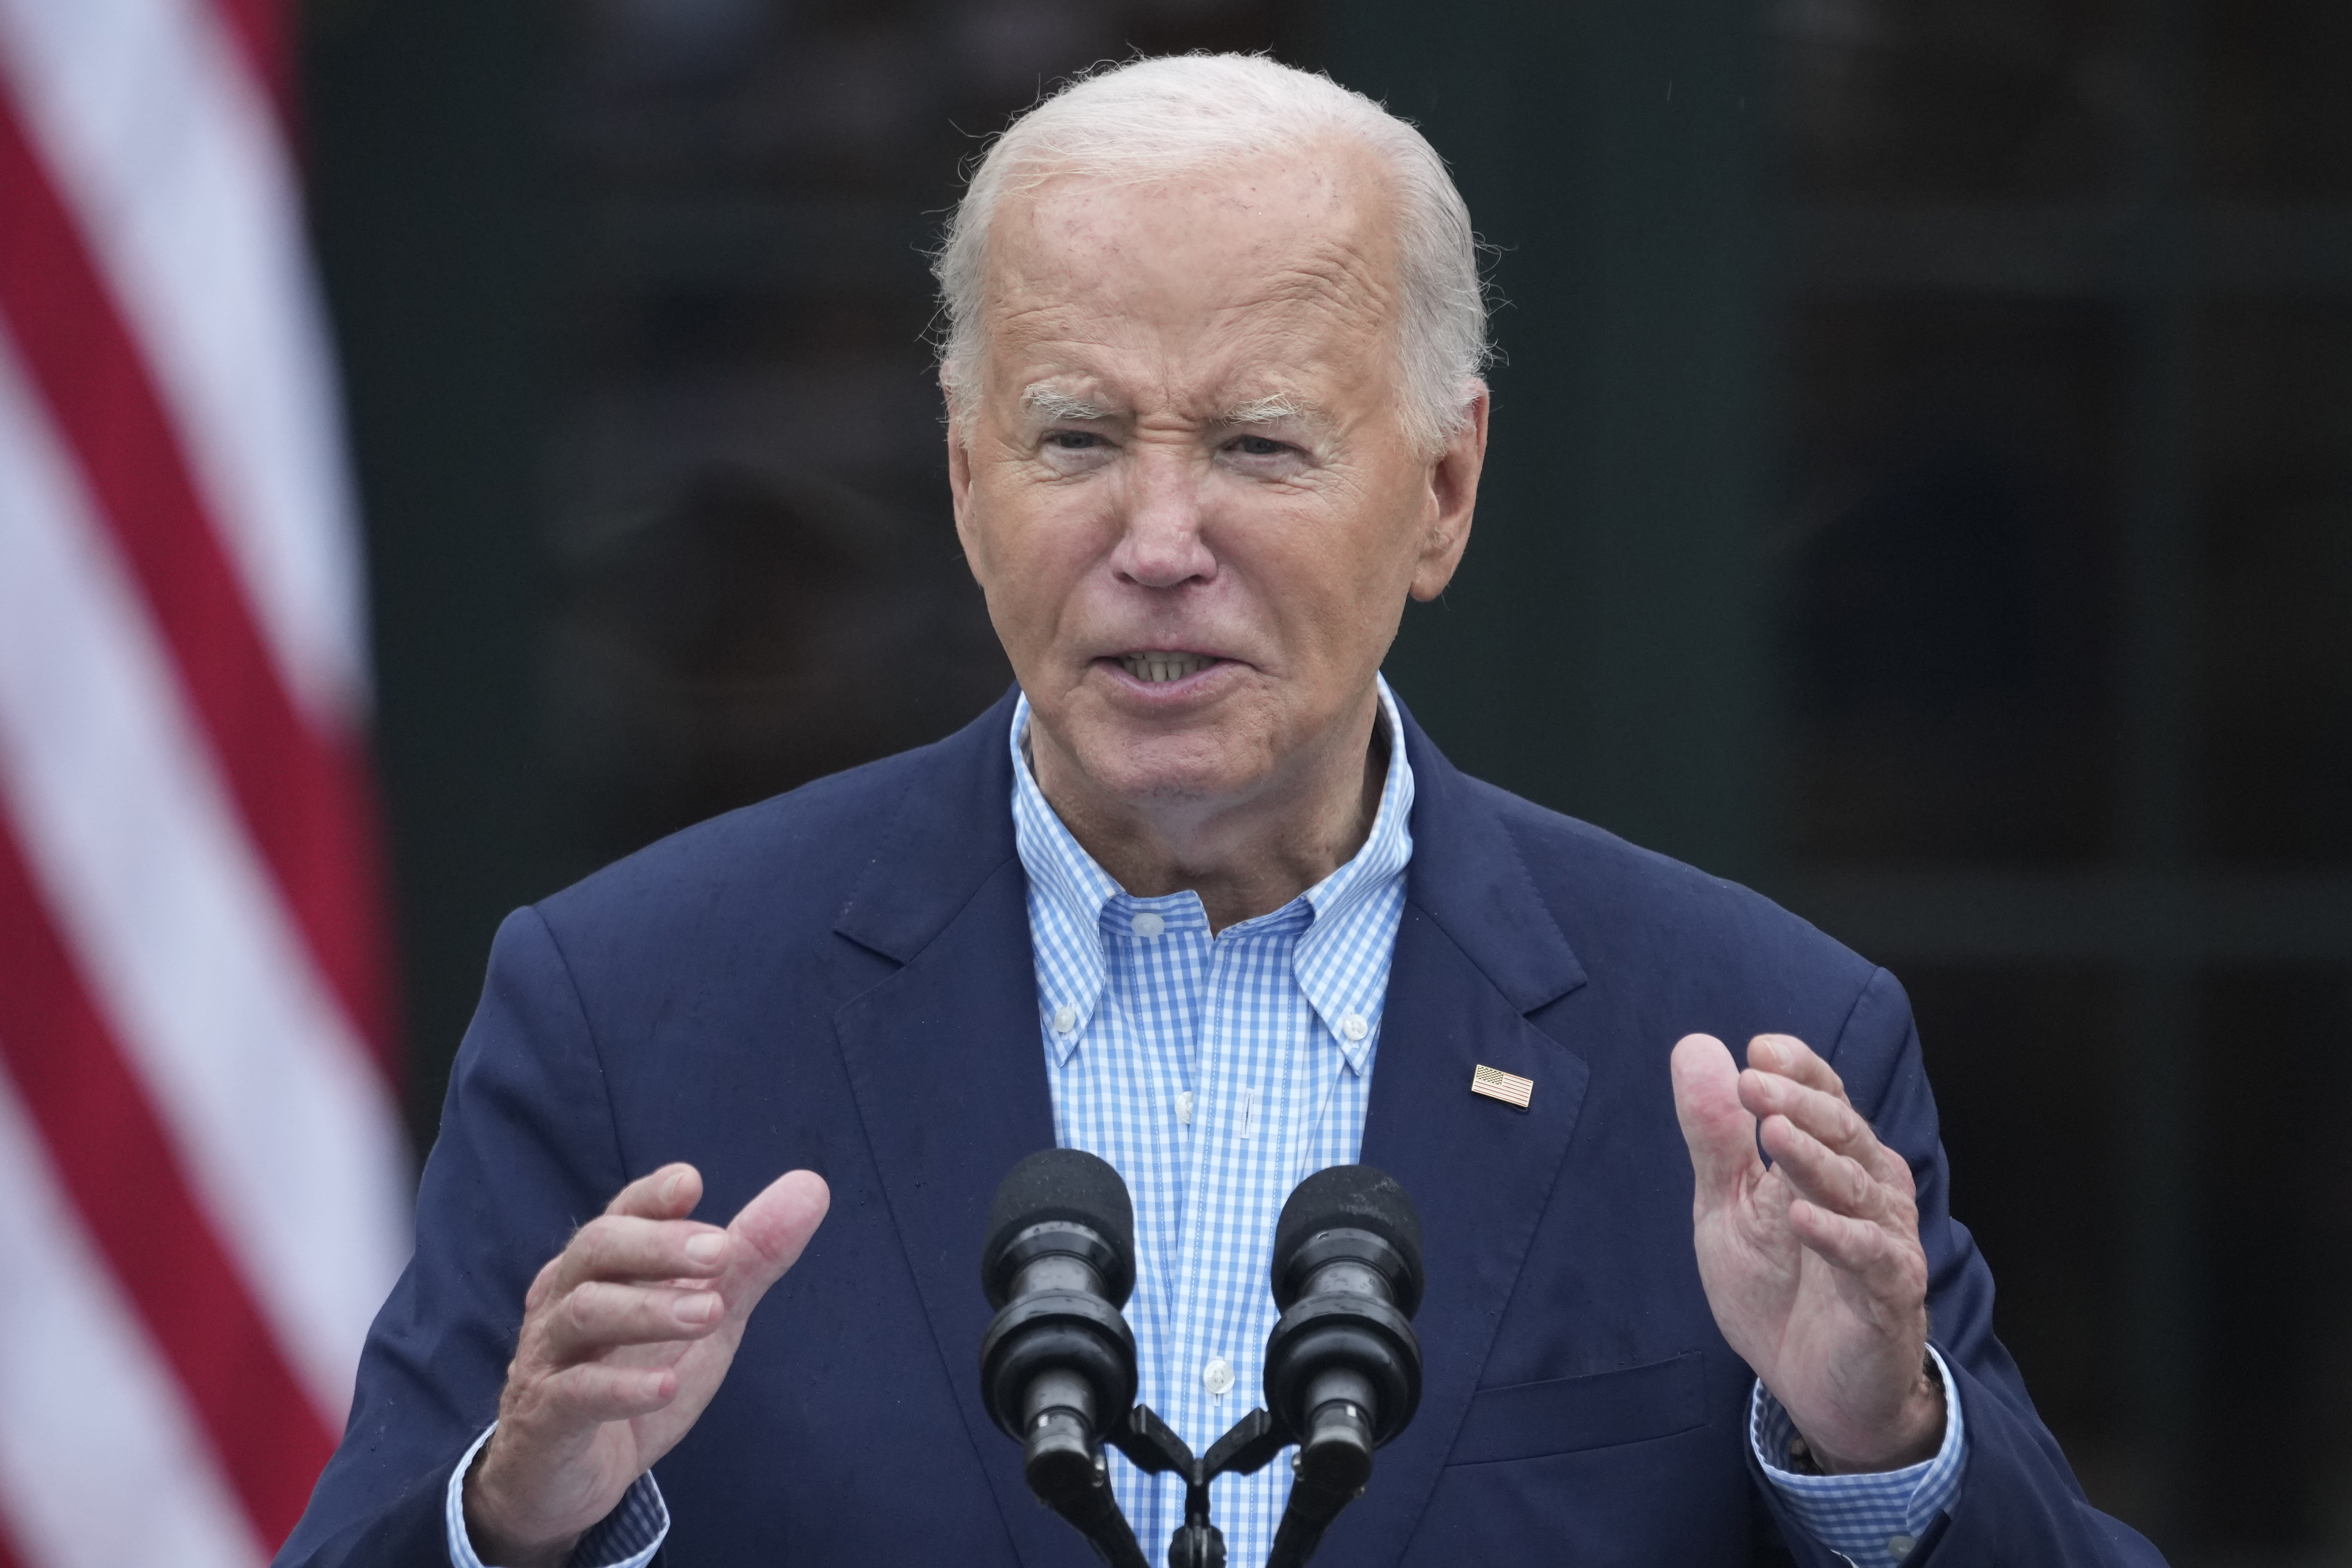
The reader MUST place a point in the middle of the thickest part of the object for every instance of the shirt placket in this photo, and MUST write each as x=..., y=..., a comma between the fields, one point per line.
x=1160, y=998
x=1211, y=1080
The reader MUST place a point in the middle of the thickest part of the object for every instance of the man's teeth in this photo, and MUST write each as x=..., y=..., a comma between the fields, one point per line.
x=1159, y=667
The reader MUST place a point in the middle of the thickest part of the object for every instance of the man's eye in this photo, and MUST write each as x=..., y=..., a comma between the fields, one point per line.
x=1259, y=447
x=1072, y=440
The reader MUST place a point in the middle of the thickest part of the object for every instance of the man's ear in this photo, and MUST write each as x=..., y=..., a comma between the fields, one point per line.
x=959, y=480
x=1453, y=497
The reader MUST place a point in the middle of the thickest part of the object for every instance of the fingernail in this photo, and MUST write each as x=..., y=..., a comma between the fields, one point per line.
x=670, y=1185
x=697, y=1308
x=707, y=1248
x=1766, y=1053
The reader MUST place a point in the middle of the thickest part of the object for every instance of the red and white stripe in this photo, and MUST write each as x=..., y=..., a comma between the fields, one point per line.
x=205, y=1176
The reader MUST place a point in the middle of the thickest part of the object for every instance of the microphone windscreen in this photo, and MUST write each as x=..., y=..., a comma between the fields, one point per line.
x=1357, y=1198
x=1067, y=1185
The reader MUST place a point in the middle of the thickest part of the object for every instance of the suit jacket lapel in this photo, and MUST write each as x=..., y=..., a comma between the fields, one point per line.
x=1477, y=952
x=946, y=1065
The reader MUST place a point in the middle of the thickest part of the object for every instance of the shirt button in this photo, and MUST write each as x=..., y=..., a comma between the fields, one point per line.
x=1899, y=1546
x=1354, y=1028
x=1217, y=1376
x=1184, y=1108
x=1065, y=1019
x=1148, y=924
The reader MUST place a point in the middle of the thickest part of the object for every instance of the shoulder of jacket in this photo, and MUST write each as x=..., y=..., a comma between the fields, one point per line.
x=1606, y=892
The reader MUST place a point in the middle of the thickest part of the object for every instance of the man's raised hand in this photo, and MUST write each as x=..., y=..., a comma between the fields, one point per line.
x=626, y=1334
x=1811, y=1265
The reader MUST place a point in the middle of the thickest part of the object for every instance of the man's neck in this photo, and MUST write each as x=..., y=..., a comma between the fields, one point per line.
x=1242, y=859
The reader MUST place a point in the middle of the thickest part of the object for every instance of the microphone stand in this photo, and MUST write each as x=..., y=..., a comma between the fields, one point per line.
x=1081, y=1495
x=1316, y=1497
x=1155, y=1449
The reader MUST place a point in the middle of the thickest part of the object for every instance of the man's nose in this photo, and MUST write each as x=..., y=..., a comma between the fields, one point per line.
x=1160, y=544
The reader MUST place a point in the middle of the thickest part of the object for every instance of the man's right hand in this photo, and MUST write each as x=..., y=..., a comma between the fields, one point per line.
x=626, y=1334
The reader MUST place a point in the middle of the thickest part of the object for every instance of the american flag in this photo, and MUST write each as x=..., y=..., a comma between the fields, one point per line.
x=203, y=1183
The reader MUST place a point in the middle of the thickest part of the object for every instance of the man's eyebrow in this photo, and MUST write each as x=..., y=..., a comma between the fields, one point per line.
x=1051, y=402
x=1266, y=410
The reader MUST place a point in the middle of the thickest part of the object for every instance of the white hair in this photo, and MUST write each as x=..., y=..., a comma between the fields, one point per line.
x=1155, y=119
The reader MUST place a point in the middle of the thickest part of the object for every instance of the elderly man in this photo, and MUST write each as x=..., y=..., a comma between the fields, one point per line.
x=1198, y=897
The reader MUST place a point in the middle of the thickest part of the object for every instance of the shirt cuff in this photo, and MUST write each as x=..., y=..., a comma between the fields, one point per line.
x=625, y=1538
x=1871, y=1519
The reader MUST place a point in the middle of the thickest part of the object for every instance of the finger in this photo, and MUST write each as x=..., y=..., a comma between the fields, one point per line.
x=1720, y=1131
x=588, y=1392
x=1891, y=1269
x=599, y=1315
x=770, y=1232
x=1826, y=1116
x=601, y=1249
x=669, y=1192
x=1818, y=1172
x=1791, y=1058
x=1896, y=1172
x=629, y=1250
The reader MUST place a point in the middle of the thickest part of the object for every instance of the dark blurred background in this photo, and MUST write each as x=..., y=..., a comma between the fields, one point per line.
x=1921, y=487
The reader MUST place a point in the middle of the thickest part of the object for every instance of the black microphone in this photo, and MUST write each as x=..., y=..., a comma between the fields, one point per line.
x=1057, y=1365
x=1342, y=1365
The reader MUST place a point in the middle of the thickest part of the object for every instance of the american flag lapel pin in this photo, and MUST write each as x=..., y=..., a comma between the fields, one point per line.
x=1507, y=1086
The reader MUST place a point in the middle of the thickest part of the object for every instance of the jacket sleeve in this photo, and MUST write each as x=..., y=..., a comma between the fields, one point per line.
x=528, y=1152
x=2019, y=1503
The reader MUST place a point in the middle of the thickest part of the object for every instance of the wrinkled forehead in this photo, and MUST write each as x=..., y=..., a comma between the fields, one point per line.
x=1273, y=257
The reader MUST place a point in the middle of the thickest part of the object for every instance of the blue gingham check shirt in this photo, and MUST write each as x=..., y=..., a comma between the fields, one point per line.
x=1216, y=1072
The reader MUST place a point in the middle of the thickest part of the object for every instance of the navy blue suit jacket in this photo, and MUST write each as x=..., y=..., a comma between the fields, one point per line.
x=841, y=979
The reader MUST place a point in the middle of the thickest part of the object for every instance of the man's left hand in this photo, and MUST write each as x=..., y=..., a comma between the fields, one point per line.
x=1813, y=1264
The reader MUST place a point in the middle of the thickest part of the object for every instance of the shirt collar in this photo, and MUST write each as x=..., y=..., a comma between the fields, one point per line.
x=1342, y=959
x=1345, y=990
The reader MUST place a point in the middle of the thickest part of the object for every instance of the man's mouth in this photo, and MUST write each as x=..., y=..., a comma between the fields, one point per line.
x=1155, y=667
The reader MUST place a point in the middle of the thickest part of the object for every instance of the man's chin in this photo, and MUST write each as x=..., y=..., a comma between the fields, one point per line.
x=1144, y=768
x=1141, y=778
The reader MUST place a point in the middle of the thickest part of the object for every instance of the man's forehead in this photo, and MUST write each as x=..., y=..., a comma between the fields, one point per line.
x=1238, y=295
x=1083, y=253
x=1238, y=376
x=1112, y=286
x=1325, y=182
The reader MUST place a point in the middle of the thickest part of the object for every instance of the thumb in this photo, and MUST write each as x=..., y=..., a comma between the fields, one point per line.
x=1720, y=1131
x=770, y=1232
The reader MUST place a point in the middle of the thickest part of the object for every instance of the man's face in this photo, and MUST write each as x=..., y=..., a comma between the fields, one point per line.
x=1186, y=484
